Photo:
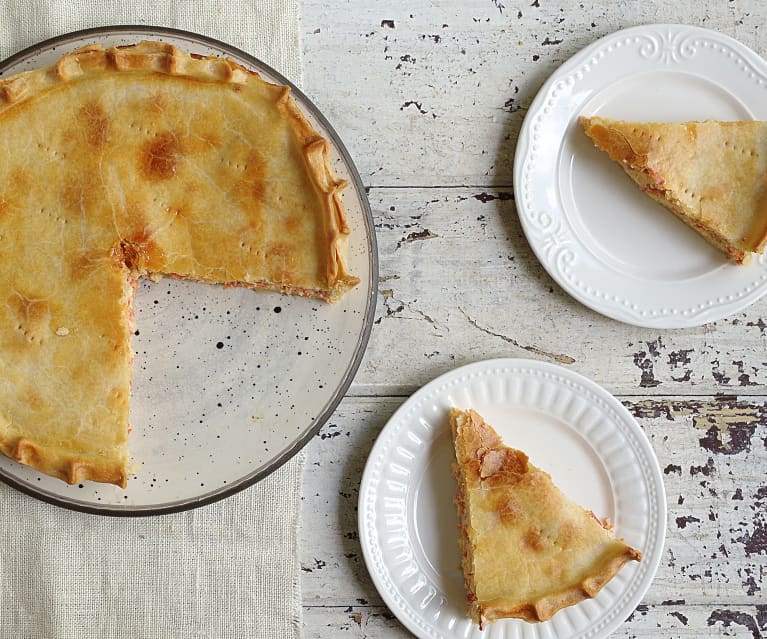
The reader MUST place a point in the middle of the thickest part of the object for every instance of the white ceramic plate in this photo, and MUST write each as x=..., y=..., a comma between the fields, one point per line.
x=570, y=427
x=602, y=239
x=227, y=383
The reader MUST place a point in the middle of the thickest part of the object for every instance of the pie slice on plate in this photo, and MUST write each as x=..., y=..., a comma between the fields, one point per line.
x=527, y=550
x=132, y=162
x=712, y=175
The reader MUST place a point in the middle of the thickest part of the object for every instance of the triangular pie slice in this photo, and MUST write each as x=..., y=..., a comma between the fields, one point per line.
x=712, y=175
x=133, y=162
x=527, y=550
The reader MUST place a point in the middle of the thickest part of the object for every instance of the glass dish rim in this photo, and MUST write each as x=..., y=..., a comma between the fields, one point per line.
x=369, y=315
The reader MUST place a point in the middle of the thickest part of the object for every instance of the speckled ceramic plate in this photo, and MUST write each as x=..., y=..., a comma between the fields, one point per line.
x=602, y=239
x=228, y=383
x=570, y=427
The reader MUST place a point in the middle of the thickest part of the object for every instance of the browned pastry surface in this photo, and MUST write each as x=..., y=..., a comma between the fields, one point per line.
x=527, y=550
x=140, y=161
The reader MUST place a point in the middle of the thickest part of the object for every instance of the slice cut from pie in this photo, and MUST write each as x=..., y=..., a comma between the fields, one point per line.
x=527, y=550
x=712, y=175
x=132, y=162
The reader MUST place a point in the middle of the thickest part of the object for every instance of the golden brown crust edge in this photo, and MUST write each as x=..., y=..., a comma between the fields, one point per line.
x=616, y=145
x=317, y=158
x=336, y=225
x=64, y=465
x=547, y=607
x=71, y=467
x=161, y=57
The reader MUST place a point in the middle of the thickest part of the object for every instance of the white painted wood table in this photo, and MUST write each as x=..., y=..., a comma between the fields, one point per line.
x=429, y=98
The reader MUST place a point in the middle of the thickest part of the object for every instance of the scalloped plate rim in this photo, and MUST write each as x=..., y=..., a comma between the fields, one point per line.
x=393, y=433
x=617, y=309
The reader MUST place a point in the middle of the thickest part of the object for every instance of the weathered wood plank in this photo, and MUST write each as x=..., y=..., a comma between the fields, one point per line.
x=673, y=620
x=435, y=93
x=713, y=456
x=354, y=622
x=434, y=97
x=711, y=450
x=459, y=282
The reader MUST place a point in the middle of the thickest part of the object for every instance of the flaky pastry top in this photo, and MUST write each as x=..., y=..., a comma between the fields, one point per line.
x=711, y=174
x=530, y=550
x=139, y=161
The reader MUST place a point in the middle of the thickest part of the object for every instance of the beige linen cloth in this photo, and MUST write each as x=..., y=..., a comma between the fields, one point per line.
x=229, y=570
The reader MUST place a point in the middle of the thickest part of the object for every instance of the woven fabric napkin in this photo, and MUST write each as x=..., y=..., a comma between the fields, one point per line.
x=267, y=29
x=229, y=570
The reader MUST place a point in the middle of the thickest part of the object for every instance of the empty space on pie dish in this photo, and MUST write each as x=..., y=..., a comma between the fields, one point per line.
x=618, y=224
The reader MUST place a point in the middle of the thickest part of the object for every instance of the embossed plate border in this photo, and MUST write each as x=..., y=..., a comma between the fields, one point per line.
x=393, y=544
x=676, y=303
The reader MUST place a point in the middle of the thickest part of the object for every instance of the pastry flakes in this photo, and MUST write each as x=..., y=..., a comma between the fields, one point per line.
x=527, y=550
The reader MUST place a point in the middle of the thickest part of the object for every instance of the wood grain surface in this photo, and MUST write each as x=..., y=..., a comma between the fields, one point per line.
x=429, y=98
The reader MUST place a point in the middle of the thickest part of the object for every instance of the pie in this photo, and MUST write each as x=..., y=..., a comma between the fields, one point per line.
x=712, y=175
x=131, y=162
x=527, y=550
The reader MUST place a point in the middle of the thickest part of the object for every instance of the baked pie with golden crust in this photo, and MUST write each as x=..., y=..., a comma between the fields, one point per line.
x=131, y=162
x=527, y=550
x=712, y=175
